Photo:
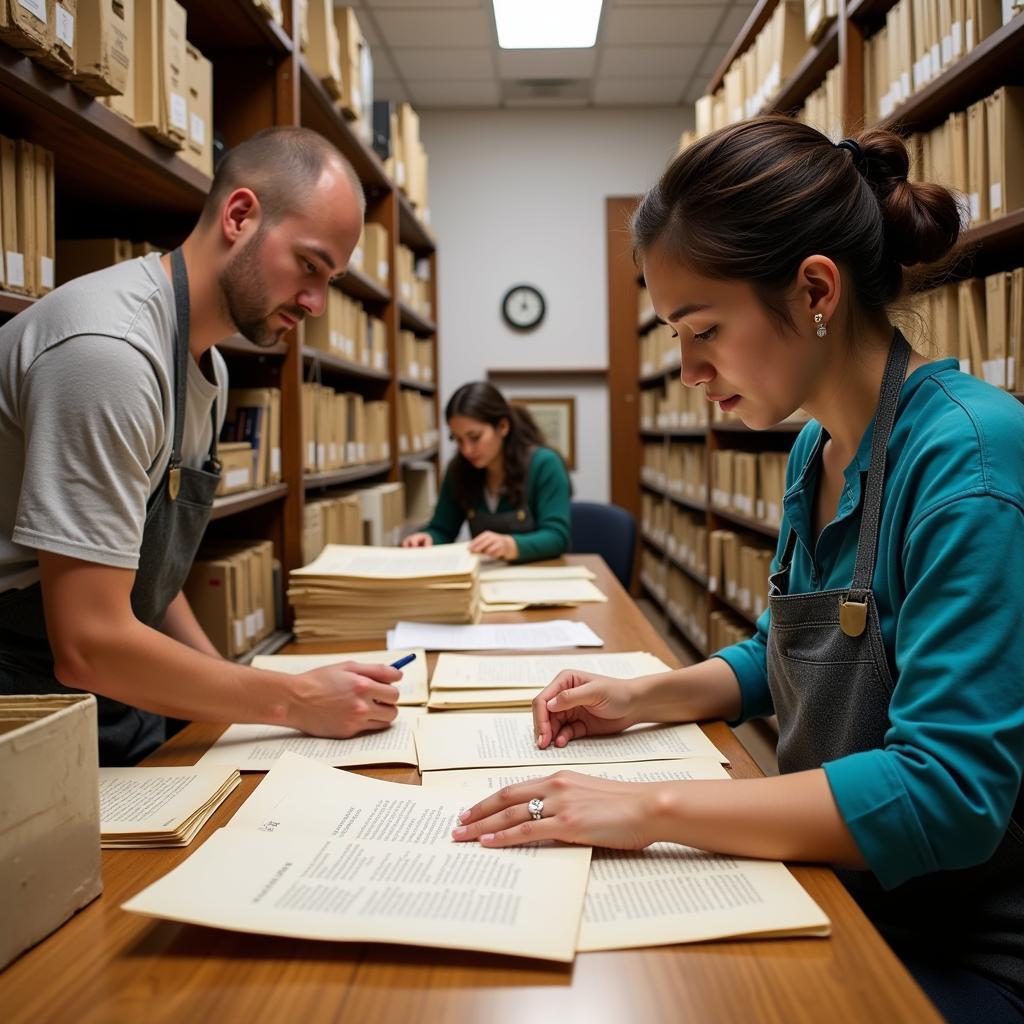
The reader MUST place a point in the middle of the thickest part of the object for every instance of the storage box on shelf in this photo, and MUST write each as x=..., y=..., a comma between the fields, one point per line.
x=726, y=629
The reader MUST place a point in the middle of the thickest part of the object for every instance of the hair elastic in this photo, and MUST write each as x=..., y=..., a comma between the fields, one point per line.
x=854, y=147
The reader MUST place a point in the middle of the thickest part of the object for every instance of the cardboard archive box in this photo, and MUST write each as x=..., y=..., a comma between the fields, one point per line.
x=49, y=815
x=104, y=46
x=199, y=95
x=161, y=104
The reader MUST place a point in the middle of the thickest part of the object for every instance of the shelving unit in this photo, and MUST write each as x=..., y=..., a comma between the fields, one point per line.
x=114, y=181
x=992, y=247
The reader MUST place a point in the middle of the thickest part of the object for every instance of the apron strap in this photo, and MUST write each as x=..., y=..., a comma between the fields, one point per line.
x=853, y=611
x=181, y=354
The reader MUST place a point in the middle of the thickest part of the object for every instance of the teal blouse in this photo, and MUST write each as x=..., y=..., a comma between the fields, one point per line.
x=547, y=497
x=950, y=569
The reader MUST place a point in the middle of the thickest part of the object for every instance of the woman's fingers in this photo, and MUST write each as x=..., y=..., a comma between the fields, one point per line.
x=506, y=797
x=573, y=730
x=509, y=817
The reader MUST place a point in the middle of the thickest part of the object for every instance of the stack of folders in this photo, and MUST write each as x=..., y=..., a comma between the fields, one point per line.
x=353, y=592
x=513, y=588
x=489, y=682
x=159, y=807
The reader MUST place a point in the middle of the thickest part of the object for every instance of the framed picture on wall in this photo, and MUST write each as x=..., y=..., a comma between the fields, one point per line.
x=556, y=418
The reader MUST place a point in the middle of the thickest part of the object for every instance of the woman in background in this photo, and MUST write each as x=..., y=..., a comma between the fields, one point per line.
x=505, y=481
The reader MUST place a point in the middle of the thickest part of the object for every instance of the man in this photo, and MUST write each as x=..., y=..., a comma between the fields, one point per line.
x=108, y=391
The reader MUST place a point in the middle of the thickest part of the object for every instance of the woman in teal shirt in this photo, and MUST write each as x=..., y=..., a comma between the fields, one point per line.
x=513, y=490
x=892, y=650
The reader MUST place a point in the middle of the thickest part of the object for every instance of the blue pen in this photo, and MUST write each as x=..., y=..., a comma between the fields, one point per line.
x=402, y=662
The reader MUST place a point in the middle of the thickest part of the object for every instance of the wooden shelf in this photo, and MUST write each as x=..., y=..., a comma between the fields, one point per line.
x=268, y=645
x=869, y=10
x=319, y=112
x=748, y=523
x=648, y=324
x=684, y=630
x=102, y=162
x=676, y=432
x=734, y=608
x=411, y=229
x=336, y=364
x=426, y=453
x=687, y=503
x=362, y=286
x=975, y=76
x=657, y=376
x=239, y=346
x=231, y=26
x=809, y=74
x=417, y=385
x=232, y=504
x=697, y=577
x=413, y=321
x=758, y=18
x=651, y=542
x=995, y=246
x=11, y=303
x=345, y=476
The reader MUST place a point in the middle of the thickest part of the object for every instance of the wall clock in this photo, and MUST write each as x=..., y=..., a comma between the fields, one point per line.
x=523, y=307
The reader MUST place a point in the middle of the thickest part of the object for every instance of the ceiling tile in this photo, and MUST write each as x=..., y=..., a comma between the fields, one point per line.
x=454, y=94
x=734, y=21
x=638, y=91
x=443, y=63
x=435, y=28
x=650, y=61
x=547, y=63
x=653, y=26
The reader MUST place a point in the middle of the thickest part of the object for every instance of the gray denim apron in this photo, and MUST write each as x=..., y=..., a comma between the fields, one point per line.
x=176, y=518
x=518, y=520
x=831, y=686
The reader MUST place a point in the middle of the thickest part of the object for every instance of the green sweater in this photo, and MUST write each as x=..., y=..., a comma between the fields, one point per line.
x=547, y=497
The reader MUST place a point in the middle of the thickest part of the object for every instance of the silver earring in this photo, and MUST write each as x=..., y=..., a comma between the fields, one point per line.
x=819, y=320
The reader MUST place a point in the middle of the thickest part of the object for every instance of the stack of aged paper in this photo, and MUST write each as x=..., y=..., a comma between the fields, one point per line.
x=517, y=636
x=320, y=854
x=255, y=748
x=465, y=681
x=513, y=588
x=412, y=687
x=351, y=592
x=157, y=807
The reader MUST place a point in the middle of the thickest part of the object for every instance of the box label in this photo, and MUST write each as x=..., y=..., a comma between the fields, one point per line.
x=35, y=7
x=995, y=196
x=239, y=633
x=198, y=129
x=179, y=112
x=46, y=271
x=275, y=461
x=260, y=619
x=250, y=626
x=15, y=269
x=65, y=26
x=237, y=478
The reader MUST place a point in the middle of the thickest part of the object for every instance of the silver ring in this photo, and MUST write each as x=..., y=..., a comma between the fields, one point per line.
x=536, y=809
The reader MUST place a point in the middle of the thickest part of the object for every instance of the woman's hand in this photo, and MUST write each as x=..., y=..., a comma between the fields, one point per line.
x=577, y=704
x=576, y=808
x=343, y=700
x=418, y=540
x=495, y=545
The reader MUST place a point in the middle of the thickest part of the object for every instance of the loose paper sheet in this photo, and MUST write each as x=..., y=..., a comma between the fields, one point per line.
x=384, y=563
x=533, y=672
x=255, y=748
x=321, y=854
x=508, y=740
x=537, y=572
x=667, y=893
x=412, y=687
x=542, y=593
x=524, y=636
x=480, y=700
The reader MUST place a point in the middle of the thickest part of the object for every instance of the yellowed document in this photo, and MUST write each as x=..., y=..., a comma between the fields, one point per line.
x=379, y=563
x=480, y=700
x=159, y=807
x=322, y=854
x=522, y=636
x=668, y=894
x=521, y=573
x=507, y=740
x=533, y=672
x=542, y=593
x=254, y=748
x=413, y=685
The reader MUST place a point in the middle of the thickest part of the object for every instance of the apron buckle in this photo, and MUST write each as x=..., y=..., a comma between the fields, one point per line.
x=174, y=482
x=853, y=617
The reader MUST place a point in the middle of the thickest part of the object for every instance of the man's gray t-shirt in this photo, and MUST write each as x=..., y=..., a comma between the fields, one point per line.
x=87, y=417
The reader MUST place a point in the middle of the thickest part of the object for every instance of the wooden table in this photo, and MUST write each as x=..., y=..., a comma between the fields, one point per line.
x=106, y=965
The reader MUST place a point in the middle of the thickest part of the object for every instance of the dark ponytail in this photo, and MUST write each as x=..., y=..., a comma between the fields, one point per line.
x=484, y=402
x=753, y=200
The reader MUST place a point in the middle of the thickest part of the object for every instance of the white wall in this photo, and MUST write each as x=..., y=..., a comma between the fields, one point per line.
x=519, y=196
